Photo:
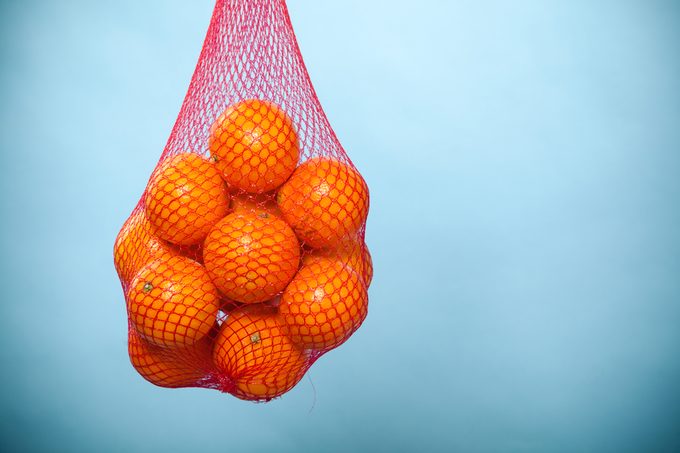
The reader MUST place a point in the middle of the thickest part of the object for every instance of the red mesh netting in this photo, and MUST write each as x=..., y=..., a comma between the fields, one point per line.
x=244, y=260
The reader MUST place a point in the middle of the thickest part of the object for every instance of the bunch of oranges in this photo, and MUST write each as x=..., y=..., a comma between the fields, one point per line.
x=240, y=268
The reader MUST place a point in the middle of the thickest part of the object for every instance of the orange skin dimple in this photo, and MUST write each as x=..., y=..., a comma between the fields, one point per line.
x=185, y=197
x=254, y=145
x=324, y=304
x=251, y=256
x=325, y=201
x=353, y=254
x=252, y=349
x=169, y=367
x=172, y=302
x=135, y=247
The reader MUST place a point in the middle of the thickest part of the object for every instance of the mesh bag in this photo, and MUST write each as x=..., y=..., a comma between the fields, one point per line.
x=244, y=260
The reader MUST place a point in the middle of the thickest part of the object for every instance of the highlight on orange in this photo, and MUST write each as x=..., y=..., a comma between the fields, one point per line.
x=255, y=353
x=251, y=256
x=169, y=367
x=185, y=197
x=324, y=304
x=254, y=145
x=325, y=201
x=172, y=302
x=353, y=254
x=136, y=246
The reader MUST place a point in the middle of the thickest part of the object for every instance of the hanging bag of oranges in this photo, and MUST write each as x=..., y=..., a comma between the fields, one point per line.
x=244, y=260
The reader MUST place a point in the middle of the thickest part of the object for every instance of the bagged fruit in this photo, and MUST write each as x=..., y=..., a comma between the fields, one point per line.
x=244, y=259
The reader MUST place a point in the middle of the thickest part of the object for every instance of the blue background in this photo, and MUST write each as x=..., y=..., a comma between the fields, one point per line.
x=524, y=162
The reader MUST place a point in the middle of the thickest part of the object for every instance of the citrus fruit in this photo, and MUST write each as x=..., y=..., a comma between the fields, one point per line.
x=185, y=198
x=252, y=349
x=254, y=145
x=324, y=304
x=251, y=256
x=136, y=246
x=325, y=201
x=353, y=254
x=172, y=302
x=367, y=268
x=169, y=367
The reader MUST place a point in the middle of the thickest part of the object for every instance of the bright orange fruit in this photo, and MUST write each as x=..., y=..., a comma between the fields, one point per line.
x=251, y=256
x=353, y=254
x=136, y=246
x=254, y=146
x=367, y=267
x=252, y=349
x=324, y=304
x=185, y=197
x=325, y=201
x=170, y=367
x=172, y=302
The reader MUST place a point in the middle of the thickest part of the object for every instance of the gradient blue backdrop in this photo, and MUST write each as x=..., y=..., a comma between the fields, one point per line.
x=524, y=163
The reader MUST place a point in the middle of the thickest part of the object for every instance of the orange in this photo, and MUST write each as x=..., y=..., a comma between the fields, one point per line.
x=172, y=302
x=185, y=198
x=174, y=367
x=254, y=145
x=352, y=254
x=252, y=349
x=325, y=201
x=251, y=256
x=324, y=304
x=367, y=267
x=255, y=202
x=135, y=247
